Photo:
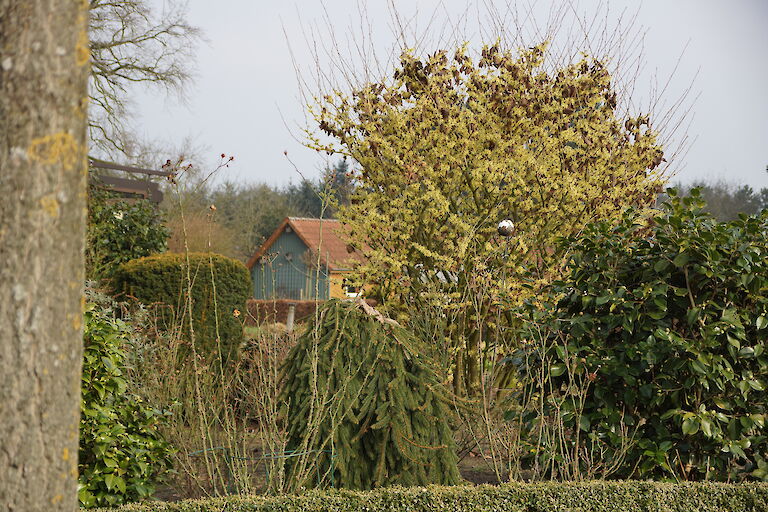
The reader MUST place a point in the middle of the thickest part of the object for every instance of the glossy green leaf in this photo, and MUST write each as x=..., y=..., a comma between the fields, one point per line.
x=681, y=259
x=557, y=370
x=690, y=426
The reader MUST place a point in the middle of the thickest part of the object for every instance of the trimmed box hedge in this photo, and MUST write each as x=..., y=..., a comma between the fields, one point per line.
x=619, y=496
x=162, y=278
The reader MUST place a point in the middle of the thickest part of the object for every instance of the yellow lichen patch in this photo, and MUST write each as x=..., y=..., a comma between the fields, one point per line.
x=59, y=148
x=50, y=205
x=76, y=322
x=82, y=51
x=56, y=499
x=81, y=109
x=65, y=454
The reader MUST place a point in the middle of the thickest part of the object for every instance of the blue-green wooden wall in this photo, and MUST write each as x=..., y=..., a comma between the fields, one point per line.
x=280, y=276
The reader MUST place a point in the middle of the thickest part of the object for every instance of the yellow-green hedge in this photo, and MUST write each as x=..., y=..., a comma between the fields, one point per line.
x=624, y=496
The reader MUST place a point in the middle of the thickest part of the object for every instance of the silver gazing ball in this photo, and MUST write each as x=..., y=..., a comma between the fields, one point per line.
x=506, y=227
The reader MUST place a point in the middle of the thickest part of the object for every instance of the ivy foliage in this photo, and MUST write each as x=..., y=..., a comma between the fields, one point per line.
x=119, y=231
x=360, y=391
x=220, y=287
x=122, y=454
x=668, y=324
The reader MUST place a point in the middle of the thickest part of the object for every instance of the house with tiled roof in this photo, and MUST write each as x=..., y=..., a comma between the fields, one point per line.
x=304, y=259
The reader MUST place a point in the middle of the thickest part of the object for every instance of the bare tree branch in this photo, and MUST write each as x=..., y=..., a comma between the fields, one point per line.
x=133, y=44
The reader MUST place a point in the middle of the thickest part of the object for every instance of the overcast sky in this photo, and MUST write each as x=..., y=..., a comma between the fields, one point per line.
x=246, y=89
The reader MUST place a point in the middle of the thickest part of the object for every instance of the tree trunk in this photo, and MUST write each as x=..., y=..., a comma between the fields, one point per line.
x=43, y=89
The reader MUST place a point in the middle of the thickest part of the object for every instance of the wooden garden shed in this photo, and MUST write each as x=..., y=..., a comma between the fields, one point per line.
x=304, y=259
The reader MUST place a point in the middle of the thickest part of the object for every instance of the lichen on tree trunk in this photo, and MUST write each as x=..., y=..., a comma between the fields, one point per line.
x=43, y=90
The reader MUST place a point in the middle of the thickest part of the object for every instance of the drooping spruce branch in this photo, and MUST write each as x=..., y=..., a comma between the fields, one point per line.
x=360, y=391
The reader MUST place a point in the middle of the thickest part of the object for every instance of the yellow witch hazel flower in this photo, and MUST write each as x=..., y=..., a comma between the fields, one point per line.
x=452, y=144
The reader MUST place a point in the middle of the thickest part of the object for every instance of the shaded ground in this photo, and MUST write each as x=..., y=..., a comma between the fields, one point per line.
x=477, y=471
x=473, y=469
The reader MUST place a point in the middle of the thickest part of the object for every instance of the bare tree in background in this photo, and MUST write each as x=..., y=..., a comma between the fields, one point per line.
x=134, y=44
x=43, y=95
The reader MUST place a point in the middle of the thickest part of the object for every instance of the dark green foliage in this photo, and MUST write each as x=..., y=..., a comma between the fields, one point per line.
x=514, y=497
x=725, y=201
x=163, y=279
x=250, y=211
x=304, y=198
x=669, y=325
x=379, y=403
x=338, y=179
x=322, y=197
x=122, y=455
x=120, y=231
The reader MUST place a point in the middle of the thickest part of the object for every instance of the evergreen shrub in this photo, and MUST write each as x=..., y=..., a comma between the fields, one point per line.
x=668, y=326
x=601, y=496
x=220, y=288
x=122, y=455
x=358, y=385
x=119, y=231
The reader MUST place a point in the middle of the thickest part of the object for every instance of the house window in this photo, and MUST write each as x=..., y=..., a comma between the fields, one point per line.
x=349, y=290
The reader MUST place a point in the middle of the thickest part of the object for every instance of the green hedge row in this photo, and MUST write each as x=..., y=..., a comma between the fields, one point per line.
x=623, y=496
x=162, y=278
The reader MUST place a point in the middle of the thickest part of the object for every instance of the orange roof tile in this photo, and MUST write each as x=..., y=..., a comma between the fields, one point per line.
x=322, y=236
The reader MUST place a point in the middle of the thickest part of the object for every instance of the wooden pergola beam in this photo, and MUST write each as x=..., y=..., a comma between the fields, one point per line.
x=102, y=164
